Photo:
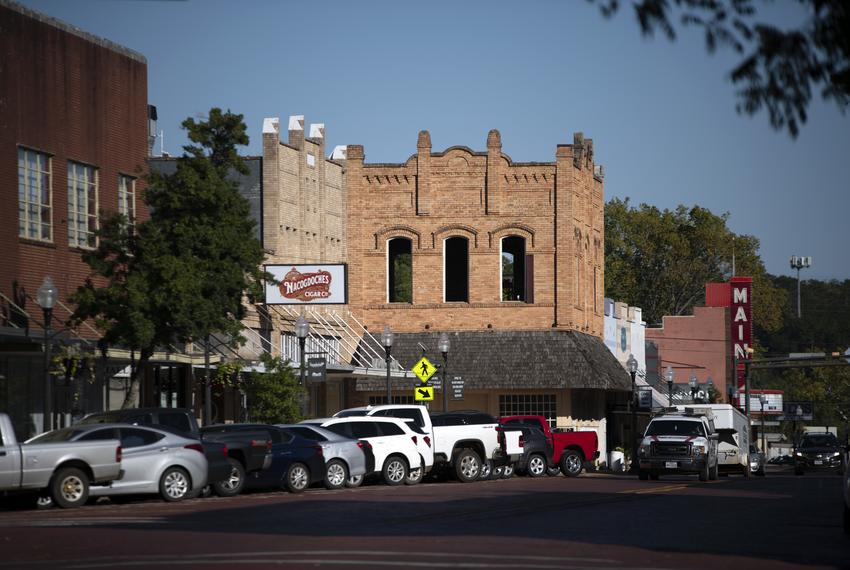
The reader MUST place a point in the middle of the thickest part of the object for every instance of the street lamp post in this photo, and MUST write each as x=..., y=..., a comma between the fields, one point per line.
x=302, y=329
x=668, y=375
x=443, y=345
x=387, y=341
x=762, y=400
x=799, y=262
x=709, y=386
x=632, y=365
x=46, y=298
x=693, y=383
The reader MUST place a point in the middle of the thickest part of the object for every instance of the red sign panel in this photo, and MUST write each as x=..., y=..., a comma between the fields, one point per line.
x=741, y=311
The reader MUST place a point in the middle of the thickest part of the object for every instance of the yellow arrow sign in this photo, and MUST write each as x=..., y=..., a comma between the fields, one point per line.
x=423, y=369
x=423, y=393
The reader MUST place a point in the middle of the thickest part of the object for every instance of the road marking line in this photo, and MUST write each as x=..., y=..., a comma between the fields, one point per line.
x=644, y=490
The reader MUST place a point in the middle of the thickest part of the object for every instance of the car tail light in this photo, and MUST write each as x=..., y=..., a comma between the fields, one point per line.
x=320, y=450
x=195, y=446
x=522, y=440
x=364, y=445
x=427, y=440
x=415, y=441
x=225, y=450
x=118, y=454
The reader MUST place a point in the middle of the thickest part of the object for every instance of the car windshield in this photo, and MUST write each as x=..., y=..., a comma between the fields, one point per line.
x=675, y=427
x=105, y=418
x=825, y=440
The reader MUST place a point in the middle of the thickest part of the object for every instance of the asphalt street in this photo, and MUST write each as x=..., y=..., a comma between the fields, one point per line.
x=594, y=521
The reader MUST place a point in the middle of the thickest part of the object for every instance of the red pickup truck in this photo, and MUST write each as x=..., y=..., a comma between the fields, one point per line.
x=570, y=449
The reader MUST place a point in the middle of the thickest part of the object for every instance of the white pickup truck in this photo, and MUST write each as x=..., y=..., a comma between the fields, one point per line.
x=470, y=443
x=66, y=470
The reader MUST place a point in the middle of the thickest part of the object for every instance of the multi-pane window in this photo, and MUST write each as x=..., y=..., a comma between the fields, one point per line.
x=529, y=405
x=82, y=205
x=456, y=269
x=399, y=270
x=127, y=198
x=513, y=268
x=327, y=346
x=35, y=219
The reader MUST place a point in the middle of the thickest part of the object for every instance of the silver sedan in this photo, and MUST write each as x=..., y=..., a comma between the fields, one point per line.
x=154, y=461
x=344, y=458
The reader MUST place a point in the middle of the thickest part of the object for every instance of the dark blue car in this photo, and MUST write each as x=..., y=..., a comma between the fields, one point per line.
x=296, y=462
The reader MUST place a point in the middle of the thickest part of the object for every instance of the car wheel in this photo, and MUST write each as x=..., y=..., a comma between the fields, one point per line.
x=43, y=502
x=354, y=481
x=508, y=471
x=703, y=474
x=394, y=471
x=761, y=472
x=553, y=471
x=643, y=475
x=571, y=463
x=536, y=466
x=232, y=485
x=712, y=473
x=467, y=466
x=297, y=478
x=69, y=488
x=498, y=472
x=335, y=475
x=486, y=470
x=415, y=476
x=174, y=485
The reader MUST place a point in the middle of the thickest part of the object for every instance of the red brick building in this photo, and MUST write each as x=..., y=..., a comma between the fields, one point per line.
x=73, y=145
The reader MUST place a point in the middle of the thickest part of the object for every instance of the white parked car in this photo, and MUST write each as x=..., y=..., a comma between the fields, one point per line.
x=154, y=461
x=394, y=444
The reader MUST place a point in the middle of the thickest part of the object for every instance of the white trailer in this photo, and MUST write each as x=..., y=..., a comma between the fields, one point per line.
x=733, y=448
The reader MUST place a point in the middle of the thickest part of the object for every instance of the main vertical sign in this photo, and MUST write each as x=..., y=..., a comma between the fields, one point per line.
x=741, y=311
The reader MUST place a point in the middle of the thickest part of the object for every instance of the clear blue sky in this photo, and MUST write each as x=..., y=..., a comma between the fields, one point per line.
x=662, y=115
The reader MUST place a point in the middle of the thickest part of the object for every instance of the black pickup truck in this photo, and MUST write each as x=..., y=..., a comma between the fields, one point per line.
x=230, y=456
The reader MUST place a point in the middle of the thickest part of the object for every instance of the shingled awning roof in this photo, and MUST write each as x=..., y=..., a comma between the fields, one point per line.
x=515, y=360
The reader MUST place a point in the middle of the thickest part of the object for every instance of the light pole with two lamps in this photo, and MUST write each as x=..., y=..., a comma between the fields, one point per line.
x=762, y=400
x=632, y=366
x=387, y=341
x=46, y=298
x=443, y=345
x=302, y=329
x=668, y=375
x=694, y=384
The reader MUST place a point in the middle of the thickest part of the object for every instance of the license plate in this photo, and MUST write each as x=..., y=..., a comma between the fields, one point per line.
x=818, y=462
x=670, y=464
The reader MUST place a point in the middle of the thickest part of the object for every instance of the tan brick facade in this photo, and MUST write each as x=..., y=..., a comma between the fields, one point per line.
x=482, y=196
x=303, y=197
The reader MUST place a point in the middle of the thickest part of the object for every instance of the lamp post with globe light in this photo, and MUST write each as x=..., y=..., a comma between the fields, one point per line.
x=46, y=298
x=387, y=340
x=632, y=366
x=302, y=329
x=668, y=375
x=443, y=345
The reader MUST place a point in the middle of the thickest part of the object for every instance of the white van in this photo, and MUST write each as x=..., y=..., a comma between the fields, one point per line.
x=733, y=447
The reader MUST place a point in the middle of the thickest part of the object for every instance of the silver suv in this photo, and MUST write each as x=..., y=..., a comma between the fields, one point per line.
x=679, y=443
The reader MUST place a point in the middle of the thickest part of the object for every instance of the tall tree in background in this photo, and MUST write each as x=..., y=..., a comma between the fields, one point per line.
x=660, y=260
x=186, y=272
x=779, y=69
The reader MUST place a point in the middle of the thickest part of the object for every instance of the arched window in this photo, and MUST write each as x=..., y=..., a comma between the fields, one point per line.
x=456, y=269
x=513, y=268
x=399, y=270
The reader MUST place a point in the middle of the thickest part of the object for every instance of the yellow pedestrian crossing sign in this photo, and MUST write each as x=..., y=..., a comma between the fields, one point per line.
x=423, y=370
x=423, y=393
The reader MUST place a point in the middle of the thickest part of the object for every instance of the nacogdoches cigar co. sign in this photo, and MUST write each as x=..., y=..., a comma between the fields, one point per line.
x=307, y=285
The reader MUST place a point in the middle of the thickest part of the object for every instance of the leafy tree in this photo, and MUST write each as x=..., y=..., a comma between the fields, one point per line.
x=274, y=396
x=660, y=260
x=185, y=274
x=779, y=69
